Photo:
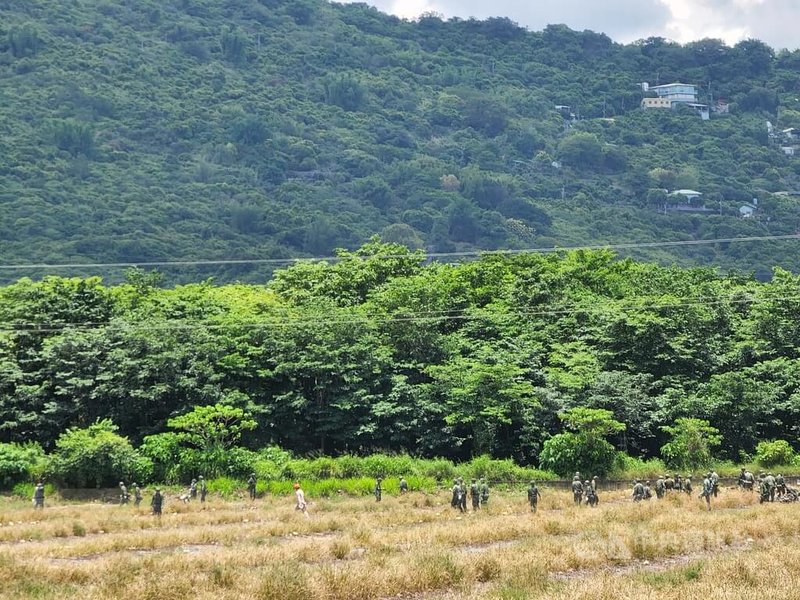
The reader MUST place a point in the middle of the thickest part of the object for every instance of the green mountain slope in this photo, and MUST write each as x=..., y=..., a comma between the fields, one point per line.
x=184, y=129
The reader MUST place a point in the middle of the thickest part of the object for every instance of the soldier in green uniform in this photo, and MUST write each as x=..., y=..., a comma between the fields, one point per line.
x=157, y=502
x=687, y=485
x=577, y=490
x=763, y=489
x=591, y=494
x=137, y=495
x=648, y=493
x=378, y=488
x=463, y=485
x=769, y=480
x=484, y=491
x=123, y=493
x=38, y=496
x=193, y=489
x=660, y=489
x=475, y=495
x=201, y=484
x=251, y=486
x=403, y=485
x=533, y=496
x=669, y=483
x=780, y=485
x=708, y=490
x=638, y=491
x=678, y=483
x=456, y=500
x=715, y=482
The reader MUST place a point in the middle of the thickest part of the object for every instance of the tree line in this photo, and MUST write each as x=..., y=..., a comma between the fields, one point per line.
x=381, y=351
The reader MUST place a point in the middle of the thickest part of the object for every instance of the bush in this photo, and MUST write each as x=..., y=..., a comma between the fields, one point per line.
x=96, y=457
x=568, y=452
x=628, y=467
x=774, y=452
x=20, y=463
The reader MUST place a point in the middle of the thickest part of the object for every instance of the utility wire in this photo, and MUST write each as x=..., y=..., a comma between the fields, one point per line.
x=460, y=315
x=428, y=255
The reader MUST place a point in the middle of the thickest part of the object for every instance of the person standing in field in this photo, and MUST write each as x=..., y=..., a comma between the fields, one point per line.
x=533, y=496
x=123, y=493
x=715, y=483
x=463, y=486
x=591, y=494
x=137, y=495
x=708, y=490
x=203, y=489
x=193, y=489
x=638, y=491
x=660, y=488
x=251, y=486
x=484, y=492
x=378, y=488
x=38, y=496
x=300, y=499
x=687, y=485
x=157, y=502
x=577, y=490
x=403, y=485
x=455, y=501
x=475, y=495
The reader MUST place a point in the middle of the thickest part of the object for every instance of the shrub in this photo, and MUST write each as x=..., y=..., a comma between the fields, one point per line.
x=774, y=452
x=96, y=456
x=20, y=463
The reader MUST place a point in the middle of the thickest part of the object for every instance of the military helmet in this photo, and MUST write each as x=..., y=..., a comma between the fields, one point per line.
x=576, y=478
x=533, y=482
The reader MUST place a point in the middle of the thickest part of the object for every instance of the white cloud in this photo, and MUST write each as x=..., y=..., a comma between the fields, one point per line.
x=774, y=21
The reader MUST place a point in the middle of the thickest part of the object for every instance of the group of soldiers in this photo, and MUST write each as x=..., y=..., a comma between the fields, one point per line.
x=584, y=491
x=478, y=492
x=770, y=487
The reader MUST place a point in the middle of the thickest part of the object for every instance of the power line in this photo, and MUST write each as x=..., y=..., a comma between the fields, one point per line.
x=433, y=316
x=428, y=255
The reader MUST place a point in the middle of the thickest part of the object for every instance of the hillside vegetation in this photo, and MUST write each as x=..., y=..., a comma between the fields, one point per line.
x=177, y=129
x=381, y=352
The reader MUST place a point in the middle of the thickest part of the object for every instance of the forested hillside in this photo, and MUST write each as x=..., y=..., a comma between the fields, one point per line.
x=178, y=129
x=383, y=352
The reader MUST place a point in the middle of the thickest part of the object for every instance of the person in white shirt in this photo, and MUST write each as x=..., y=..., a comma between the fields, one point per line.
x=301, y=499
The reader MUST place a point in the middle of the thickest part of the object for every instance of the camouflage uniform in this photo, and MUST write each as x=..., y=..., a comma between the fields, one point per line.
x=533, y=496
x=456, y=499
x=687, y=484
x=137, y=495
x=251, y=486
x=475, y=495
x=484, y=491
x=769, y=480
x=463, y=486
x=660, y=489
x=38, y=496
x=638, y=491
x=403, y=485
x=708, y=490
x=591, y=494
x=378, y=489
x=203, y=489
x=123, y=493
x=193, y=489
x=648, y=494
x=157, y=502
x=715, y=483
x=780, y=485
x=577, y=490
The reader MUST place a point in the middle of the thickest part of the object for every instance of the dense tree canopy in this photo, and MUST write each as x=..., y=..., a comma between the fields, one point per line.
x=381, y=351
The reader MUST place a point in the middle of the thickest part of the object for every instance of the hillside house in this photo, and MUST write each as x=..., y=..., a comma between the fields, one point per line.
x=789, y=150
x=688, y=195
x=746, y=211
x=672, y=95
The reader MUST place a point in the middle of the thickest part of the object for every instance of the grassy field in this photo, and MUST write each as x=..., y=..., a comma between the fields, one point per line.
x=414, y=546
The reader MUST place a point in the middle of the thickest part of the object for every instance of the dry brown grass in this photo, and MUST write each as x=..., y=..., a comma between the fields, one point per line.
x=414, y=546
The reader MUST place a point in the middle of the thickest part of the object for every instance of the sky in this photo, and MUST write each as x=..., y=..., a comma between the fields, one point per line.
x=775, y=22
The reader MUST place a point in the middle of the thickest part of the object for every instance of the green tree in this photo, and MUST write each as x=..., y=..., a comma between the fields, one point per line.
x=213, y=428
x=581, y=150
x=585, y=448
x=692, y=444
x=96, y=457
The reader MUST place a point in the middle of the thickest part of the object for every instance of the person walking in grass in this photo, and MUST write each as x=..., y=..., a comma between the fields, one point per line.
x=484, y=492
x=638, y=491
x=251, y=486
x=300, y=499
x=123, y=493
x=201, y=484
x=455, y=501
x=157, y=502
x=463, y=486
x=403, y=485
x=660, y=488
x=378, y=491
x=137, y=495
x=193, y=489
x=715, y=483
x=533, y=496
x=708, y=490
x=577, y=490
x=475, y=495
x=38, y=496
x=591, y=494
x=687, y=485
x=780, y=485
